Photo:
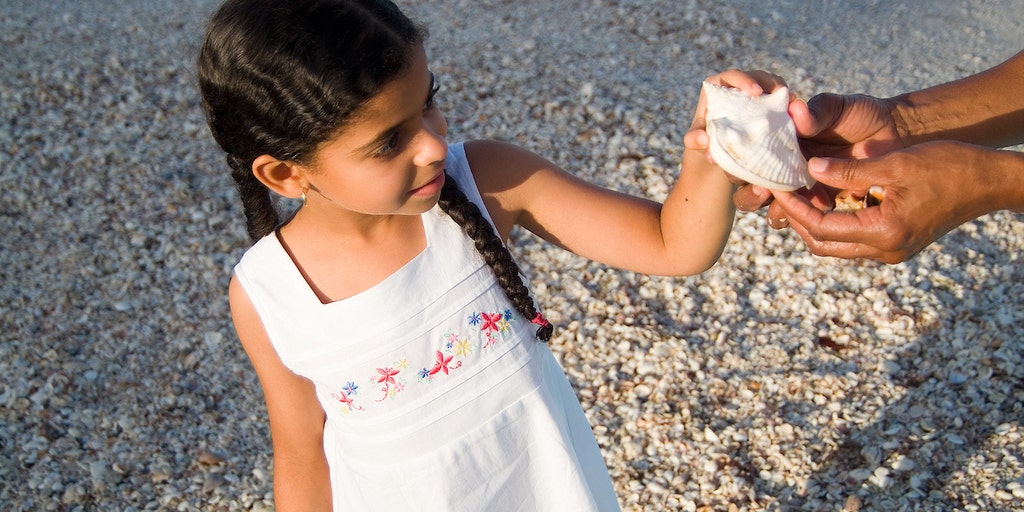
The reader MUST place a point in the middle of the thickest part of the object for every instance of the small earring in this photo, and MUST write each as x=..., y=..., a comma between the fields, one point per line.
x=303, y=198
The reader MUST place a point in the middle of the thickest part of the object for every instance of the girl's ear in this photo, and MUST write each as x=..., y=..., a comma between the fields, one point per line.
x=284, y=178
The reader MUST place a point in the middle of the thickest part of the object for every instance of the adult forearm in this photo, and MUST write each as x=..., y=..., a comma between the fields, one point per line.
x=1009, y=178
x=986, y=108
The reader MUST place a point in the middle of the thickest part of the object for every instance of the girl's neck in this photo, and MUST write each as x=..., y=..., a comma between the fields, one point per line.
x=349, y=228
x=341, y=257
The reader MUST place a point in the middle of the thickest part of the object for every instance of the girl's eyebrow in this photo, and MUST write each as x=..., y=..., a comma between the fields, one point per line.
x=385, y=134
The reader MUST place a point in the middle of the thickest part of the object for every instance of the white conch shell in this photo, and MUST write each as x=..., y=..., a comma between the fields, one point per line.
x=753, y=138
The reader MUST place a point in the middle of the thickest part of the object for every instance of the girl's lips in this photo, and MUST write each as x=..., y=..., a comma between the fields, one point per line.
x=432, y=187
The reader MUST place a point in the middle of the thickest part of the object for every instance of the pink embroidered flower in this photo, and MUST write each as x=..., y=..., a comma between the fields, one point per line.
x=442, y=364
x=387, y=375
x=491, y=339
x=490, y=321
x=390, y=387
x=348, y=401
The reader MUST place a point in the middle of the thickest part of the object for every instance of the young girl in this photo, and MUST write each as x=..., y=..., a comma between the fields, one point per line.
x=393, y=336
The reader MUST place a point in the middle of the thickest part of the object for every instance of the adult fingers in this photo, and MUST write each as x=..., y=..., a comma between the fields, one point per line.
x=861, y=226
x=820, y=196
x=822, y=112
x=777, y=217
x=833, y=248
x=792, y=205
x=749, y=198
x=843, y=174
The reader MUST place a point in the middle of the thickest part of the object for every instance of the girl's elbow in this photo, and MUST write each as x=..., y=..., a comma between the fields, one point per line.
x=695, y=266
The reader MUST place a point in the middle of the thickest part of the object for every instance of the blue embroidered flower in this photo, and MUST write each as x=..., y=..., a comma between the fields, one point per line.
x=350, y=388
x=474, y=319
x=424, y=373
x=508, y=314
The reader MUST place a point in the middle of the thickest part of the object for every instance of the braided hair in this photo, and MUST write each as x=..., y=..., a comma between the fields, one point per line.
x=466, y=214
x=282, y=77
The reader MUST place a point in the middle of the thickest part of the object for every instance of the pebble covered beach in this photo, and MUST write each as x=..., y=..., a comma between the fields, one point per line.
x=774, y=381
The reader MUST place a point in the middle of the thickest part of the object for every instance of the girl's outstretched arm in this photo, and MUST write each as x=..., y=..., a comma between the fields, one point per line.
x=683, y=236
x=301, y=475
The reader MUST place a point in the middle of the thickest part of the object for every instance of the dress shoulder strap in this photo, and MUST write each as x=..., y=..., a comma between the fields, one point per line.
x=458, y=168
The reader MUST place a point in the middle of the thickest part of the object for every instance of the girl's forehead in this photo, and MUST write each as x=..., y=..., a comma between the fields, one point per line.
x=398, y=101
x=402, y=95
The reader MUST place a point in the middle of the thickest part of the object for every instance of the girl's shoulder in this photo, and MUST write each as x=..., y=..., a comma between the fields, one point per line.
x=502, y=168
x=501, y=172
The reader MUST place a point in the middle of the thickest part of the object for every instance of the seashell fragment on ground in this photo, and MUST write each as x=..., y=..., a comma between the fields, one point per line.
x=753, y=138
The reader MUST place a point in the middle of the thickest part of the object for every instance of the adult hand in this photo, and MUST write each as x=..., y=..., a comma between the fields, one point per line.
x=929, y=189
x=831, y=125
x=847, y=126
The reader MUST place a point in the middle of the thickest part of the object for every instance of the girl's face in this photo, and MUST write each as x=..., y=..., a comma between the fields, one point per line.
x=389, y=159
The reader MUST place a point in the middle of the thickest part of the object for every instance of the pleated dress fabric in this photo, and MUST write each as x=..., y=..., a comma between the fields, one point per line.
x=438, y=395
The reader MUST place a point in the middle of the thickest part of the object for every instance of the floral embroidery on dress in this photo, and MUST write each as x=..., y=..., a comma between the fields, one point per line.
x=456, y=348
x=390, y=385
x=346, y=397
x=444, y=360
x=442, y=364
x=493, y=324
x=463, y=348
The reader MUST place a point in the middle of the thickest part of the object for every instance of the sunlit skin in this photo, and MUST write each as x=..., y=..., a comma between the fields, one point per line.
x=388, y=162
x=932, y=151
x=365, y=188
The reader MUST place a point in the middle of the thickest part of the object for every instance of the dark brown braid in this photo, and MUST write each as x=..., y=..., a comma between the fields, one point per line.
x=466, y=214
x=260, y=216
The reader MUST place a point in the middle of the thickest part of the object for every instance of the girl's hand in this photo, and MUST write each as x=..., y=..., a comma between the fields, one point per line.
x=754, y=83
x=747, y=197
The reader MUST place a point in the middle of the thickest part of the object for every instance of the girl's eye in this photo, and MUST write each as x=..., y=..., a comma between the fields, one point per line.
x=434, y=87
x=388, y=147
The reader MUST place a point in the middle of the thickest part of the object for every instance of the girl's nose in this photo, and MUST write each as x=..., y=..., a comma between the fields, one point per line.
x=432, y=142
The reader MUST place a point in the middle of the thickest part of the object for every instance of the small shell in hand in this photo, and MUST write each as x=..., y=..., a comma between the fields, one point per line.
x=753, y=138
x=847, y=201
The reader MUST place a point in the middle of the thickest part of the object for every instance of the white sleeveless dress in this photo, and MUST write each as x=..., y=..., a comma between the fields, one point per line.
x=438, y=395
